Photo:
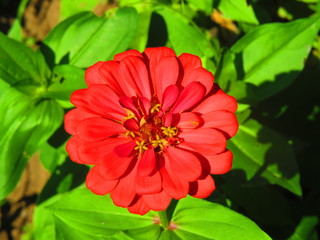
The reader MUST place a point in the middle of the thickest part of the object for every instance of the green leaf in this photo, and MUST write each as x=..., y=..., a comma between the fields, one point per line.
x=268, y=58
x=144, y=10
x=68, y=80
x=84, y=39
x=264, y=155
x=26, y=124
x=200, y=219
x=51, y=157
x=238, y=10
x=71, y=7
x=204, y=5
x=184, y=37
x=305, y=229
x=15, y=31
x=98, y=218
x=19, y=64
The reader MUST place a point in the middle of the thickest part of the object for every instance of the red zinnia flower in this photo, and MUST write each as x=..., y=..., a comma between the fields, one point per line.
x=154, y=126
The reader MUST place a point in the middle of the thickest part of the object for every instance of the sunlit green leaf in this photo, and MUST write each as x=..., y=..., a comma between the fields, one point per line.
x=26, y=124
x=68, y=79
x=184, y=36
x=204, y=5
x=265, y=156
x=97, y=217
x=71, y=7
x=21, y=65
x=144, y=10
x=200, y=219
x=51, y=157
x=268, y=58
x=238, y=10
x=84, y=39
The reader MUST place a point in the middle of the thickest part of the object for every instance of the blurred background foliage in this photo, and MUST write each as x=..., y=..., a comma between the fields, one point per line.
x=266, y=53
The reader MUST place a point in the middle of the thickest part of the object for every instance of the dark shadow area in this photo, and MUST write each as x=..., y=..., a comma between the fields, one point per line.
x=8, y=12
x=273, y=209
x=66, y=177
x=158, y=34
x=59, y=137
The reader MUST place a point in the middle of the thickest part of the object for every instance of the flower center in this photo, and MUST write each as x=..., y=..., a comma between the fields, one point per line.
x=150, y=131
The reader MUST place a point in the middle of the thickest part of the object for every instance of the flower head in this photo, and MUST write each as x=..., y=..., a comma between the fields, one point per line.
x=154, y=126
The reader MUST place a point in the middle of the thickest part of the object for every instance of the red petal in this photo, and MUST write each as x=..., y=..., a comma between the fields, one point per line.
x=98, y=128
x=73, y=118
x=131, y=52
x=201, y=75
x=217, y=101
x=94, y=152
x=189, y=120
x=148, y=185
x=99, y=99
x=202, y=188
x=125, y=149
x=222, y=120
x=190, y=96
x=204, y=140
x=92, y=75
x=169, y=97
x=158, y=201
x=153, y=56
x=220, y=163
x=127, y=102
x=131, y=125
x=135, y=76
x=97, y=184
x=125, y=191
x=166, y=74
x=113, y=166
x=189, y=62
x=72, y=149
x=110, y=71
x=147, y=163
x=172, y=185
x=184, y=164
x=138, y=206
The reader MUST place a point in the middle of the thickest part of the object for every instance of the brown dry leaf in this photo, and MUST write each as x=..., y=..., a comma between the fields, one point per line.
x=40, y=17
x=228, y=24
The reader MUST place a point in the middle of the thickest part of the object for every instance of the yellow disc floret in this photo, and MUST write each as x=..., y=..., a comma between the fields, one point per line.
x=169, y=131
x=141, y=146
x=155, y=108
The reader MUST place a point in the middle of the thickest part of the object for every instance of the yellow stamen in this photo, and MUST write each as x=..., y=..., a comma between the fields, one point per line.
x=130, y=115
x=159, y=142
x=169, y=131
x=141, y=146
x=128, y=133
x=155, y=108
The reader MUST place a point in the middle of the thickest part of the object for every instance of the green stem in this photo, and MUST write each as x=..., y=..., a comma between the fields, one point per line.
x=163, y=219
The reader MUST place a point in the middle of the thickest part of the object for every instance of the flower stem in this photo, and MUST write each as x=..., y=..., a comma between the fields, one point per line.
x=163, y=219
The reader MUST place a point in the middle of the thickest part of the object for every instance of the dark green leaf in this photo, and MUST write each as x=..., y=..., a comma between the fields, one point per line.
x=305, y=229
x=265, y=155
x=85, y=38
x=268, y=58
